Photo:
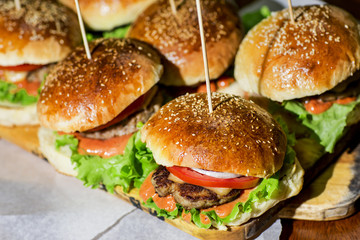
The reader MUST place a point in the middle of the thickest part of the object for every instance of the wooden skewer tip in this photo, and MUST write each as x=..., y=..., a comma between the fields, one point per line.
x=17, y=4
x=82, y=29
x=291, y=12
x=203, y=45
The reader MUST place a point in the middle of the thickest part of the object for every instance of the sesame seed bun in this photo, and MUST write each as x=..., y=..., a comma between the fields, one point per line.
x=41, y=32
x=81, y=94
x=237, y=137
x=104, y=15
x=283, y=61
x=178, y=39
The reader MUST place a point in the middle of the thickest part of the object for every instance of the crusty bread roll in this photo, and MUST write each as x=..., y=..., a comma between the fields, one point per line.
x=177, y=38
x=237, y=137
x=81, y=94
x=41, y=32
x=104, y=15
x=283, y=61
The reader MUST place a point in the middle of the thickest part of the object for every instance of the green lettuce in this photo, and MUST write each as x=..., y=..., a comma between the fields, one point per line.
x=264, y=191
x=250, y=19
x=119, y=32
x=127, y=170
x=11, y=93
x=328, y=126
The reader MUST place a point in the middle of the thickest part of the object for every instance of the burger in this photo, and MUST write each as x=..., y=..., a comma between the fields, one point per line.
x=105, y=15
x=218, y=169
x=89, y=109
x=311, y=67
x=32, y=38
x=176, y=36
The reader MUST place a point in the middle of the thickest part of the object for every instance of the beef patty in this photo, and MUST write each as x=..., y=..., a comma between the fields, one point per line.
x=128, y=125
x=188, y=195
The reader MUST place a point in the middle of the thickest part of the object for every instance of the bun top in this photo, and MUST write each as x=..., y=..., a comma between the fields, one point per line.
x=41, y=32
x=237, y=137
x=104, y=15
x=177, y=38
x=282, y=61
x=81, y=94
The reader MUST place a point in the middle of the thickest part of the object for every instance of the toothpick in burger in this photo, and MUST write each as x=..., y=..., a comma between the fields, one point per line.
x=311, y=67
x=90, y=109
x=32, y=38
x=220, y=169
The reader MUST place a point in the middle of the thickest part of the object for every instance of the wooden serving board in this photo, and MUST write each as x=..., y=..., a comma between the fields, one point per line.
x=24, y=137
x=249, y=230
x=332, y=195
x=326, y=198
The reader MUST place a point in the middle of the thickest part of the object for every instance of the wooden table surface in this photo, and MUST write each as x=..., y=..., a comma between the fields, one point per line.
x=348, y=228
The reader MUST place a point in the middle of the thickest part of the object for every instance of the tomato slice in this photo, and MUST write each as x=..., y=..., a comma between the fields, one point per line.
x=132, y=108
x=21, y=68
x=190, y=176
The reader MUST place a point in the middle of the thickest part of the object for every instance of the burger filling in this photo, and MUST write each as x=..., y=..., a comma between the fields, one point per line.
x=189, y=195
x=325, y=117
x=111, y=139
x=19, y=85
x=345, y=93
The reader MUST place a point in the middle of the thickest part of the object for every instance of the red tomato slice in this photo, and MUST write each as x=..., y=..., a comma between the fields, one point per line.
x=21, y=68
x=190, y=176
x=135, y=106
x=132, y=108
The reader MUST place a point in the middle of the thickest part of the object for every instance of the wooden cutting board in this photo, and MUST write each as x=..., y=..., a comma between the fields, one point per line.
x=330, y=196
x=326, y=198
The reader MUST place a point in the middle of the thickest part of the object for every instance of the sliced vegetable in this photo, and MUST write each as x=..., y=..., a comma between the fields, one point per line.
x=11, y=93
x=127, y=170
x=21, y=68
x=328, y=126
x=190, y=176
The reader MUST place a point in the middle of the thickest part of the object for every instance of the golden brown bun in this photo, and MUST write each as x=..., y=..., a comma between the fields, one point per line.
x=282, y=61
x=41, y=32
x=80, y=94
x=238, y=137
x=177, y=38
x=106, y=14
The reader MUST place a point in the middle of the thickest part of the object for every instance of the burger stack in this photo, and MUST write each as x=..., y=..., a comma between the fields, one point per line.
x=215, y=170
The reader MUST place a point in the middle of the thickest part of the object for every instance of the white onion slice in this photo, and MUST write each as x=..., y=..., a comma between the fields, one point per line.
x=222, y=175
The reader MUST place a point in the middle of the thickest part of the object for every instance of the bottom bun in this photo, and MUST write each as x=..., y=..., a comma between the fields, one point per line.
x=18, y=116
x=289, y=185
x=60, y=159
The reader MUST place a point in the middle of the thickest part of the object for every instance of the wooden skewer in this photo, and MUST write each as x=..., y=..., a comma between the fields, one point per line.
x=173, y=6
x=291, y=12
x=203, y=45
x=83, y=32
x=17, y=4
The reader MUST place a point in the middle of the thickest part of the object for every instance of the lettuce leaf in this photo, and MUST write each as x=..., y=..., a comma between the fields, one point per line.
x=264, y=191
x=250, y=19
x=11, y=93
x=122, y=170
x=119, y=32
x=329, y=126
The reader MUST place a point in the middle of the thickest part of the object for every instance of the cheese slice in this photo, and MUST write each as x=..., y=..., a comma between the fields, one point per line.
x=219, y=191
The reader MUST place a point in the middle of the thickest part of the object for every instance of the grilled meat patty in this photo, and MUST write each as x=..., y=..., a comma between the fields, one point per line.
x=188, y=195
x=128, y=125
